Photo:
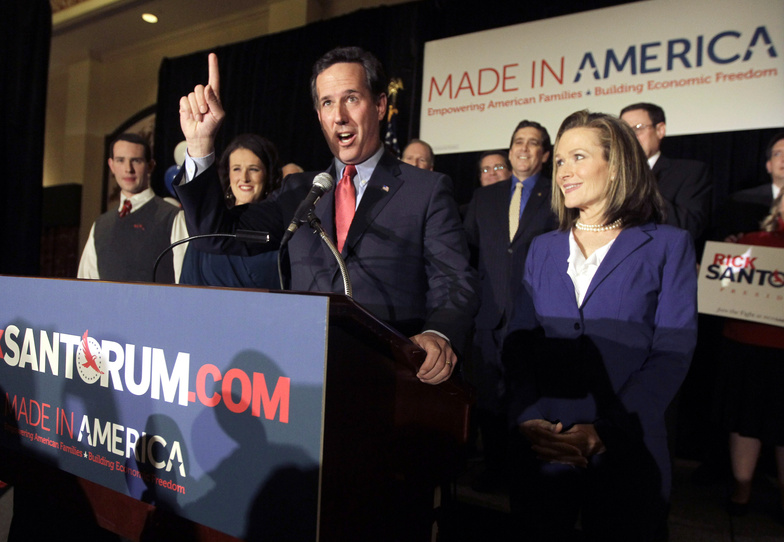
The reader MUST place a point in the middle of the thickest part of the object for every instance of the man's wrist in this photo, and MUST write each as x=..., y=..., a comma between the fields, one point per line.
x=433, y=331
x=195, y=165
x=200, y=148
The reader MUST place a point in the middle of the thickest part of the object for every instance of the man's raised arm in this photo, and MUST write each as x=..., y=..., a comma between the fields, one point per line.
x=201, y=113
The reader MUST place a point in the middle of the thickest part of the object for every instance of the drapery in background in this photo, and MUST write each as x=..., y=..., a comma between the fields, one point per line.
x=25, y=35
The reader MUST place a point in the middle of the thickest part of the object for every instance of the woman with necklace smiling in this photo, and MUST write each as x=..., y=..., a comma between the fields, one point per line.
x=600, y=341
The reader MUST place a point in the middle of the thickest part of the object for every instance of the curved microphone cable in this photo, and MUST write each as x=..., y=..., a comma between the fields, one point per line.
x=248, y=236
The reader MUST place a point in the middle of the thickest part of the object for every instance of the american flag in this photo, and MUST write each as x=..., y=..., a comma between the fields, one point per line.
x=390, y=137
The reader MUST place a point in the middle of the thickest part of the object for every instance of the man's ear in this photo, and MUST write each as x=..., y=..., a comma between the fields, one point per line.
x=381, y=105
x=661, y=130
x=151, y=163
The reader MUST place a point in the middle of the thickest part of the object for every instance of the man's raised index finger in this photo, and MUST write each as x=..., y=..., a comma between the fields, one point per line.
x=214, y=76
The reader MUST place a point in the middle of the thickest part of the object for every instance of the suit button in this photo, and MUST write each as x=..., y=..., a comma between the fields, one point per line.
x=577, y=326
x=509, y=250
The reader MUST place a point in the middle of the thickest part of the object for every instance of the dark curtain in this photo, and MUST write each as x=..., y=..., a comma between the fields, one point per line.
x=265, y=87
x=25, y=34
x=265, y=82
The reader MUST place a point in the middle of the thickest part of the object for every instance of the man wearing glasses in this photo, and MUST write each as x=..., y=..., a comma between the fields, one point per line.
x=501, y=221
x=684, y=184
x=494, y=166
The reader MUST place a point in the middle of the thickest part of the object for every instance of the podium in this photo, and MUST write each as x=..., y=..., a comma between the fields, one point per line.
x=384, y=440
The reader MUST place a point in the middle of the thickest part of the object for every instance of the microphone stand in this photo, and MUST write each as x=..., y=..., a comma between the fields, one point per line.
x=315, y=223
x=248, y=236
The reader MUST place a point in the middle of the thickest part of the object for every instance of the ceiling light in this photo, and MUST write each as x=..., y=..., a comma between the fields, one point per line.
x=150, y=18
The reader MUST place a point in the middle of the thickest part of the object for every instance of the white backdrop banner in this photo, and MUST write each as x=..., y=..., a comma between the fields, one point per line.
x=713, y=65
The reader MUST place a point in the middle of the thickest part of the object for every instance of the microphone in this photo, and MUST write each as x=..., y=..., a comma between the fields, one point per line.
x=322, y=184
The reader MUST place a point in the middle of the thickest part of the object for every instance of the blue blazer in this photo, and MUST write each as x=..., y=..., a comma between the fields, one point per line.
x=406, y=250
x=618, y=359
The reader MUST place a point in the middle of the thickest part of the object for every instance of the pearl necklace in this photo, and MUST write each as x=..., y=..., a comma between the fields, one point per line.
x=593, y=227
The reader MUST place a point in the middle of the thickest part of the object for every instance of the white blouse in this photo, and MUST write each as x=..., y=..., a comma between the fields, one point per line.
x=582, y=269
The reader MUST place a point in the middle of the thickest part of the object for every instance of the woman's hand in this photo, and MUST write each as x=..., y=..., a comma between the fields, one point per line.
x=573, y=447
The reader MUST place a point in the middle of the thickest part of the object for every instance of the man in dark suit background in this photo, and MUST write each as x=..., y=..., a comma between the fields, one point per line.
x=684, y=184
x=404, y=247
x=501, y=221
x=494, y=166
x=746, y=208
x=419, y=154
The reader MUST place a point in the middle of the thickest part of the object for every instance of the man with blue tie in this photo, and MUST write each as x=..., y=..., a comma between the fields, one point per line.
x=501, y=221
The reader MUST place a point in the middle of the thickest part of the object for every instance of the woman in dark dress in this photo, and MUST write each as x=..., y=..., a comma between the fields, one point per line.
x=753, y=395
x=249, y=171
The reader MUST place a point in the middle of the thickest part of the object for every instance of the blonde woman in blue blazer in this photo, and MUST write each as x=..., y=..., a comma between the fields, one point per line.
x=600, y=341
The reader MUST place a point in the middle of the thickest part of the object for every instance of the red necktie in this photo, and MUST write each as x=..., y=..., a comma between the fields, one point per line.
x=345, y=204
x=126, y=208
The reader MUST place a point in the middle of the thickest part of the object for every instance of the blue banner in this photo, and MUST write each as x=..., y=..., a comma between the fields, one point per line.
x=205, y=402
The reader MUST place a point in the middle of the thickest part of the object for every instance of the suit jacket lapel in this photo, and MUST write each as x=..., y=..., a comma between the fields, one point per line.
x=662, y=163
x=325, y=208
x=496, y=212
x=668, y=186
x=539, y=196
x=560, y=255
x=380, y=190
x=500, y=203
x=325, y=211
x=625, y=244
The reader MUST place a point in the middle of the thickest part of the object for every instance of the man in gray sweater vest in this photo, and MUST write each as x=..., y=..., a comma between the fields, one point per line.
x=125, y=242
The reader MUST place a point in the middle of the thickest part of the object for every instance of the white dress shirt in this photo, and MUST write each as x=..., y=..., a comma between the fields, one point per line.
x=582, y=269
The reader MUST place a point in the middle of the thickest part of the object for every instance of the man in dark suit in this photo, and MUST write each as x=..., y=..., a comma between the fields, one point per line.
x=684, y=184
x=745, y=209
x=396, y=226
x=501, y=221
